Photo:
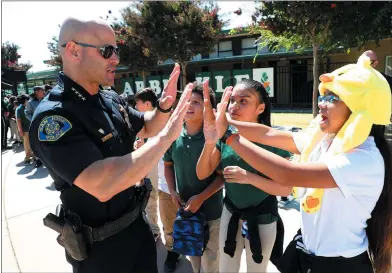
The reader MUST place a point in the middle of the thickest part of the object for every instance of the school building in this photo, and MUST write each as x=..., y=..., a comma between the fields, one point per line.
x=287, y=75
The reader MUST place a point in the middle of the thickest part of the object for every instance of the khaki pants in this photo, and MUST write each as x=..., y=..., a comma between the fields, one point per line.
x=26, y=143
x=209, y=262
x=267, y=238
x=167, y=211
x=152, y=205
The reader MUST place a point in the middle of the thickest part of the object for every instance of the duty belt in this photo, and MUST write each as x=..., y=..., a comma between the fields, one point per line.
x=111, y=228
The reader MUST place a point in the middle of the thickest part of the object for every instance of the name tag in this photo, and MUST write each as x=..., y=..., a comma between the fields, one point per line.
x=107, y=137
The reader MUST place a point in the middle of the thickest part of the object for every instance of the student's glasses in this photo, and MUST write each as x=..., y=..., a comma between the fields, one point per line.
x=328, y=99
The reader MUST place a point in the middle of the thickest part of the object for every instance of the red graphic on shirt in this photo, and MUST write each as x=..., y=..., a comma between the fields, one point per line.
x=312, y=202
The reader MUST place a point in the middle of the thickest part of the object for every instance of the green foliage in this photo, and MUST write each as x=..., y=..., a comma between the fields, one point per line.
x=300, y=25
x=177, y=29
x=134, y=52
x=55, y=58
x=9, y=52
x=321, y=25
x=10, y=57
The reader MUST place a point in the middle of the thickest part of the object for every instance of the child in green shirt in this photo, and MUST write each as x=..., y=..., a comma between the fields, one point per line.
x=249, y=102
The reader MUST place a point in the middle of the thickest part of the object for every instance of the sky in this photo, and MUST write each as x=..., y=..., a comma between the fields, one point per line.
x=31, y=25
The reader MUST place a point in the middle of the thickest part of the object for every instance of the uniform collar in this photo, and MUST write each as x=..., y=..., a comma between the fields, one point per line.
x=184, y=133
x=73, y=89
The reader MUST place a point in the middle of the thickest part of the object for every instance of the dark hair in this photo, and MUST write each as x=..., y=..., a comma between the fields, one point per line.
x=265, y=117
x=198, y=88
x=379, y=226
x=22, y=98
x=11, y=99
x=48, y=87
x=147, y=94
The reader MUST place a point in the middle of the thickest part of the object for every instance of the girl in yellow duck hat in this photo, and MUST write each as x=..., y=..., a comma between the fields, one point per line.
x=345, y=166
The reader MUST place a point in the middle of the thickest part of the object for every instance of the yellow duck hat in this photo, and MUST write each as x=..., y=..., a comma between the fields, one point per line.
x=367, y=94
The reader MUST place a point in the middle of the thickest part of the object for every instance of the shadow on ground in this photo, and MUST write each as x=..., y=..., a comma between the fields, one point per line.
x=39, y=173
x=184, y=265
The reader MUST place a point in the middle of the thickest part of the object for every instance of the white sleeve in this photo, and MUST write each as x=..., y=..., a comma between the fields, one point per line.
x=300, y=139
x=358, y=173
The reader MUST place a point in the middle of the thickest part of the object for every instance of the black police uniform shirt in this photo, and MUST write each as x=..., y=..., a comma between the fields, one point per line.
x=70, y=131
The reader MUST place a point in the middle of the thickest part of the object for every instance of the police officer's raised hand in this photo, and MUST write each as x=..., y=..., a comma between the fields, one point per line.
x=173, y=127
x=169, y=92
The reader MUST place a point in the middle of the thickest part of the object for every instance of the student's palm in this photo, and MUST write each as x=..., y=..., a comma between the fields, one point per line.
x=215, y=122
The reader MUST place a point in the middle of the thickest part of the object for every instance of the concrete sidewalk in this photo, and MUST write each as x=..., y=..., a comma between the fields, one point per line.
x=28, y=246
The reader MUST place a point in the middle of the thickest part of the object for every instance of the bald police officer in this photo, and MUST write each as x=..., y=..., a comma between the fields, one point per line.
x=85, y=138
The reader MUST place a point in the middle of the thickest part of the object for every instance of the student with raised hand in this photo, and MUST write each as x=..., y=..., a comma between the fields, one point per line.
x=346, y=212
x=248, y=209
x=189, y=193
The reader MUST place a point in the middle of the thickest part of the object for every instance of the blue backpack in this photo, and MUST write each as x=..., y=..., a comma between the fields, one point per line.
x=190, y=233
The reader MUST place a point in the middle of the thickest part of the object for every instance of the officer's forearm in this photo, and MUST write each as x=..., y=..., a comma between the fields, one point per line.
x=110, y=176
x=154, y=121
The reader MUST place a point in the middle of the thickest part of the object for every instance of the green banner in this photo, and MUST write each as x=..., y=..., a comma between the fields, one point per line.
x=203, y=76
x=139, y=84
x=238, y=75
x=222, y=79
x=155, y=83
x=219, y=80
x=127, y=85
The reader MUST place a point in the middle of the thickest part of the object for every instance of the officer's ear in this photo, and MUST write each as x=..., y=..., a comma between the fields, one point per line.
x=73, y=51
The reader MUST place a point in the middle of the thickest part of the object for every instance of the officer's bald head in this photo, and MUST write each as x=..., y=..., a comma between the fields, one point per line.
x=78, y=30
x=372, y=56
x=80, y=44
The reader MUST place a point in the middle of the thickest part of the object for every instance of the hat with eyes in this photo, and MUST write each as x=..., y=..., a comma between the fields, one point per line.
x=366, y=93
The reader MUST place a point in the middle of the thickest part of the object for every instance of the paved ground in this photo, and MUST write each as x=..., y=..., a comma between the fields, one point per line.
x=28, y=246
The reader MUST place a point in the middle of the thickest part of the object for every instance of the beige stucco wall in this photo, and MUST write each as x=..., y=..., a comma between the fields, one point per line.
x=385, y=49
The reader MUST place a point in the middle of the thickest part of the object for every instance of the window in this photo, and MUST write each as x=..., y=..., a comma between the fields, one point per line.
x=196, y=57
x=214, y=53
x=205, y=55
x=236, y=45
x=225, y=49
x=388, y=65
x=248, y=46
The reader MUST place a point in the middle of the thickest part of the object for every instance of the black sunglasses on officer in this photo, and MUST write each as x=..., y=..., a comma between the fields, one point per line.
x=105, y=50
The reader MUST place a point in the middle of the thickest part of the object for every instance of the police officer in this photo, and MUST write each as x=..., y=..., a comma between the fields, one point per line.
x=85, y=138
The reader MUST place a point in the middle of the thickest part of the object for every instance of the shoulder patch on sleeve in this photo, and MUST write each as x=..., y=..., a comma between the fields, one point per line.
x=52, y=128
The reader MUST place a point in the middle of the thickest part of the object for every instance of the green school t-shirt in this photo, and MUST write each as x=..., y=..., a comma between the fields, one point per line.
x=184, y=153
x=245, y=195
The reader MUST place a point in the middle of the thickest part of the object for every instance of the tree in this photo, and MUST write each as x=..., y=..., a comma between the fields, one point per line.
x=177, y=30
x=10, y=57
x=322, y=26
x=134, y=52
x=55, y=58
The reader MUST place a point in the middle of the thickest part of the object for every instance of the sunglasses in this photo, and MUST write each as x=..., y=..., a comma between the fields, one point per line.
x=105, y=50
x=328, y=99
